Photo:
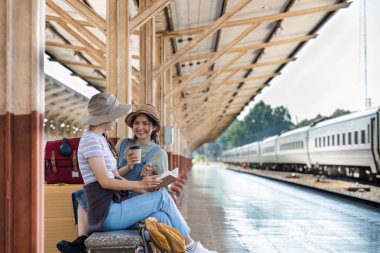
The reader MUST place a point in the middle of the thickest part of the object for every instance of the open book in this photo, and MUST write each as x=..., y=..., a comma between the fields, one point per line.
x=168, y=177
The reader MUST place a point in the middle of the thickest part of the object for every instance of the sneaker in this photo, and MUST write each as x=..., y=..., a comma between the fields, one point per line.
x=199, y=248
x=76, y=246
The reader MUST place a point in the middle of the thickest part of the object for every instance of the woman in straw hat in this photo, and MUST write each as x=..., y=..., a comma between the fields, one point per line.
x=145, y=125
x=108, y=208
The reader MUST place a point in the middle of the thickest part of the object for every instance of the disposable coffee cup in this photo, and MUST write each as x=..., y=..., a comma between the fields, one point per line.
x=136, y=151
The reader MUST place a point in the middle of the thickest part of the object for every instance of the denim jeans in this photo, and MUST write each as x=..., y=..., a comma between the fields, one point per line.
x=156, y=204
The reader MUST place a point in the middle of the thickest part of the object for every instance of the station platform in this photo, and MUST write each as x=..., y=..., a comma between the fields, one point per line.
x=235, y=212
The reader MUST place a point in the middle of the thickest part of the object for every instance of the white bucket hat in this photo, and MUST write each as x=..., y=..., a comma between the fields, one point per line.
x=104, y=107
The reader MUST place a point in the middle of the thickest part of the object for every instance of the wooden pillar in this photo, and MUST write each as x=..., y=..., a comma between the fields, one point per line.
x=22, y=95
x=111, y=58
x=124, y=81
x=147, y=54
x=161, y=86
x=118, y=61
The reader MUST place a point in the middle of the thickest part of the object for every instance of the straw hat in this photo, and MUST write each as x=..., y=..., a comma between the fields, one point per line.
x=147, y=109
x=103, y=107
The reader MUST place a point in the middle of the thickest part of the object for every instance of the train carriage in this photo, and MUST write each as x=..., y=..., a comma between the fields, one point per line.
x=292, y=150
x=347, y=145
x=269, y=152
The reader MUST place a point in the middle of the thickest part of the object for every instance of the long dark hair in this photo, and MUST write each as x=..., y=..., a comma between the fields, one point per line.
x=153, y=136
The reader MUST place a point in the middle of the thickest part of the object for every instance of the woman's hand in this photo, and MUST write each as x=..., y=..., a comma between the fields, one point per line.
x=132, y=159
x=147, y=170
x=150, y=182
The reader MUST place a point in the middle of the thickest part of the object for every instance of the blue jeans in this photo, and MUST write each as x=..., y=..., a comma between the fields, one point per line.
x=156, y=204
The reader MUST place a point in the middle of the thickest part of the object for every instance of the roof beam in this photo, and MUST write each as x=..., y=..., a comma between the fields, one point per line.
x=81, y=64
x=221, y=94
x=244, y=49
x=66, y=17
x=59, y=19
x=212, y=28
x=241, y=67
x=63, y=45
x=241, y=80
x=94, y=53
x=215, y=57
x=326, y=8
x=92, y=78
x=147, y=13
x=89, y=14
x=54, y=99
x=250, y=47
x=53, y=90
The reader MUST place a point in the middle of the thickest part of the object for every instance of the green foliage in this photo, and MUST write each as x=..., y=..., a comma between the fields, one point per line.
x=339, y=112
x=262, y=121
x=307, y=122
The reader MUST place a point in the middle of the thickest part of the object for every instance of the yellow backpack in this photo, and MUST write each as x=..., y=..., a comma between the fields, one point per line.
x=165, y=239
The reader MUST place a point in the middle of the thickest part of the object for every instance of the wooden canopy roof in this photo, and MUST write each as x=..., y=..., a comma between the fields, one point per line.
x=221, y=53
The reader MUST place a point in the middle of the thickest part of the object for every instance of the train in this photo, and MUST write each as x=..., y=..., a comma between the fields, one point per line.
x=347, y=146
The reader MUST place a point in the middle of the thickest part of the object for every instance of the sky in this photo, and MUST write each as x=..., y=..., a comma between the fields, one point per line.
x=329, y=73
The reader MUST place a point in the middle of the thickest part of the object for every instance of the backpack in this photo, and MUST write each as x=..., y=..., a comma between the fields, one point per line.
x=165, y=239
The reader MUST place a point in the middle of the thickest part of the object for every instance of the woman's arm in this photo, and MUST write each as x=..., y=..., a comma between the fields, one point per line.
x=100, y=170
x=162, y=162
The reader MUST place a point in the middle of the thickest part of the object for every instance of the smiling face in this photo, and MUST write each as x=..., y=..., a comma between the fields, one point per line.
x=143, y=127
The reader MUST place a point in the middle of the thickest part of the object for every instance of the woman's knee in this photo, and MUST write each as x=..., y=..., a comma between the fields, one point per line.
x=162, y=217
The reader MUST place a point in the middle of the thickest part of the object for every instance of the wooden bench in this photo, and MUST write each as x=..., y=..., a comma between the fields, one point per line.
x=123, y=241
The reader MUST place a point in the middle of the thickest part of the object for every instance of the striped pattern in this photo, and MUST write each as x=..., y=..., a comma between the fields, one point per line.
x=94, y=145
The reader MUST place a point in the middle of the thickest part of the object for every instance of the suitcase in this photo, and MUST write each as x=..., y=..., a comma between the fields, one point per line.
x=61, y=163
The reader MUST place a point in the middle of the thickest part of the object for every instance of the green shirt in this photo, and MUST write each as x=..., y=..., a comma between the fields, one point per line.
x=158, y=160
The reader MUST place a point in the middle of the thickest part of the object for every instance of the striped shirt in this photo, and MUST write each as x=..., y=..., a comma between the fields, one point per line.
x=93, y=144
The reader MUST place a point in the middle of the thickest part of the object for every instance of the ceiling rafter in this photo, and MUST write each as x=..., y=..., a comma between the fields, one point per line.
x=326, y=8
x=94, y=53
x=241, y=67
x=67, y=18
x=220, y=97
x=147, y=13
x=89, y=14
x=215, y=57
x=252, y=47
x=211, y=29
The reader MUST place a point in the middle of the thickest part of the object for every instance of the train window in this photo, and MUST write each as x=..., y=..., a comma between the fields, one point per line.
x=301, y=144
x=338, y=139
x=356, y=137
x=349, y=138
x=343, y=139
x=328, y=141
x=368, y=133
x=332, y=140
x=315, y=142
x=363, y=136
x=324, y=141
x=319, y=141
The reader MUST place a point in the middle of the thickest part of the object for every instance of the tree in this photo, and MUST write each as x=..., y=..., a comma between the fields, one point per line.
x=340, y=112
x=262, y=121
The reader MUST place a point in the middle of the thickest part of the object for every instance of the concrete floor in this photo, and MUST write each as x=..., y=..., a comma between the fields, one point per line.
x=234, y=212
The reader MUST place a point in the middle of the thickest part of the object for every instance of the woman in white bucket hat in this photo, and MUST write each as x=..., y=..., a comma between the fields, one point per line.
x=108, y=206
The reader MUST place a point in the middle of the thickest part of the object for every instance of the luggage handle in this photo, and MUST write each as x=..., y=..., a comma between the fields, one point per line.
x=53, y=162
x=74, y=160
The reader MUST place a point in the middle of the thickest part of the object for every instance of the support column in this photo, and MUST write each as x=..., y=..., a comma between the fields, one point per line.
x=22, y=42
x=147, y=55
x=119, y=82
x=160, y=89
x=111, y=58
x=124, y=81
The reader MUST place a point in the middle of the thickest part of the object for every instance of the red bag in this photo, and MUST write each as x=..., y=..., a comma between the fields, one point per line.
x=61, y=163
